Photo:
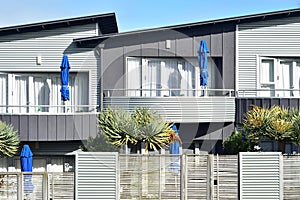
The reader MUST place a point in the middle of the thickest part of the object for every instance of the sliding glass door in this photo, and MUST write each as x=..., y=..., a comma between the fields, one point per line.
x=159, y=77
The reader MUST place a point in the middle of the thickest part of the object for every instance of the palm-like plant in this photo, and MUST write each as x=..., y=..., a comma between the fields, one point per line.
x=142, y=125
x=9, y=140
x=275, y=123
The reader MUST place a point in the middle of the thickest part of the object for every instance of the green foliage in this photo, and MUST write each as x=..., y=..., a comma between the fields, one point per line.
x=276, y=123
x=99, y=144
x=235, y=144
x=121, y=127
x=9, y=140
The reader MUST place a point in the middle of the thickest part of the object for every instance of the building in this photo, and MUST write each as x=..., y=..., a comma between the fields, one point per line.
x=253, y=59
x=30, y=58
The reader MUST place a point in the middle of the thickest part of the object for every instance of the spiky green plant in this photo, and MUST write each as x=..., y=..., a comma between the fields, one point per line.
x=275, y=123
x=9, y=140
x=118, y=126
x=143, y=125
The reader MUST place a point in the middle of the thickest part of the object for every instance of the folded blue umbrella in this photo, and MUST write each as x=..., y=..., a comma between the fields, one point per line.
x=203, y=62
x=64, y=75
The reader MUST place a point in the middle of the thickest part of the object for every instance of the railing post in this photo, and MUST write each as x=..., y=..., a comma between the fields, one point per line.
x=183, y=185
x=210, y=177
x=20, y=186
x=45, y=186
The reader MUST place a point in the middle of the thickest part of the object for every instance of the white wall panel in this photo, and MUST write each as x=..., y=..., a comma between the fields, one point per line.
x=279, y=38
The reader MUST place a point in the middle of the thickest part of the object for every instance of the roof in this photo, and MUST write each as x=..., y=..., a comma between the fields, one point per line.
x=93, y=41
x=107, y=24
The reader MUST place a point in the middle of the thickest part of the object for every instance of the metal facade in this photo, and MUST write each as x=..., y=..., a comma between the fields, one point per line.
x=260, y=175
x=19, y=52
x=96, y=176
x=273, y=38
x=181, y=110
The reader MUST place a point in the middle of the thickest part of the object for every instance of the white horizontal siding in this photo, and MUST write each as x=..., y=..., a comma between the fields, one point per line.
x=264, y=38
x=18, y=53
x=260, y=175
x=185, y=109
x=97, y=176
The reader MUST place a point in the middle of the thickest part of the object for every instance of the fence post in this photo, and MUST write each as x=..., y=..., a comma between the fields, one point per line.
x=20, y=185
x=183, y=174
x=45, y=186
x=210, y=177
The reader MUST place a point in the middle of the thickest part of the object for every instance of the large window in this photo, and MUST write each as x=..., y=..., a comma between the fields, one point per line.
x=279, y=77
x=160, y=77
x=40, y=92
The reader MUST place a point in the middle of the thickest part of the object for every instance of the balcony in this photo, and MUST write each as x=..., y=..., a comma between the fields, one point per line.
x=177, y=105
x=51, y=123
x=289, y=98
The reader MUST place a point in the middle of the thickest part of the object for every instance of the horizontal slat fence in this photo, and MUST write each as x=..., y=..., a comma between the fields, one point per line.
x=291, y=177
x=226, y=177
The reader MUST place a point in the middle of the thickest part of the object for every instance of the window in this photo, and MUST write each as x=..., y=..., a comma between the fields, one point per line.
x=279, y=77
x=160, y=77
x=40, y=92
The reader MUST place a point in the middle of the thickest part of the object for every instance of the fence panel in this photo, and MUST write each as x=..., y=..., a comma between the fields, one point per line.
x=61, y=185
x=226, y=177
x=291, y=177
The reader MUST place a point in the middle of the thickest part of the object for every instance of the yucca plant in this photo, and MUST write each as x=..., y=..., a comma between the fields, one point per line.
x=118, y=126
x=9, y=140
x=140, y=126
x=275, y=123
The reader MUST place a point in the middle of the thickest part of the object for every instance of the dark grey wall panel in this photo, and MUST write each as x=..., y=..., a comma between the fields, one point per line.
x=132, y=50
x=184, y=43
x=23, y=128
x=216, y=45
x=228, y=59
x=184, y=47
x=77, y=127
x=93, y=125
x=85, y=126
x=42, y=127
x=52, y=127
x=166, y=52
x=33, y=128
x=69, y=127
x=244, y=104
x=113, y=68
x=61, y=127
x=150, y=49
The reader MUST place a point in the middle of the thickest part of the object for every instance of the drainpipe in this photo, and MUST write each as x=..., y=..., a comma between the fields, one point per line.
x=99, y=52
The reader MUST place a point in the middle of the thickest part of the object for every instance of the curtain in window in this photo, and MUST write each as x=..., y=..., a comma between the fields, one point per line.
x=20, y=97
x=172, y=77
x=186, y=71
x=284, y=79
x=134, y=77
x=160, y=77
x=3, y=92
x=151, y=77
x=296, y=79
x=78, y=85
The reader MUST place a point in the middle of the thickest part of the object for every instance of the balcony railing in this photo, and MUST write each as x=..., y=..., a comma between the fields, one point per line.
x=177, y=105
x=48, y=109
x=269, y=93
x=178, y=92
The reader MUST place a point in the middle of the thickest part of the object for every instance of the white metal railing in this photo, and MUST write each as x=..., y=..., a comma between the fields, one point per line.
x=48, y=109
x=280, y=93
x=168, y=92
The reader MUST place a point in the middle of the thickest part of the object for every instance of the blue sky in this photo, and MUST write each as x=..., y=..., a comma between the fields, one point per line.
x=136, y=14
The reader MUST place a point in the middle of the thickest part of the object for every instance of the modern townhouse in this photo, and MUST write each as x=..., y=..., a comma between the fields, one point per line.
x=30, y=99
x=252, y=59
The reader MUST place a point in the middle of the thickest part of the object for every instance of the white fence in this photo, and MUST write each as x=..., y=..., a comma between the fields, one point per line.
x=36, y=185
